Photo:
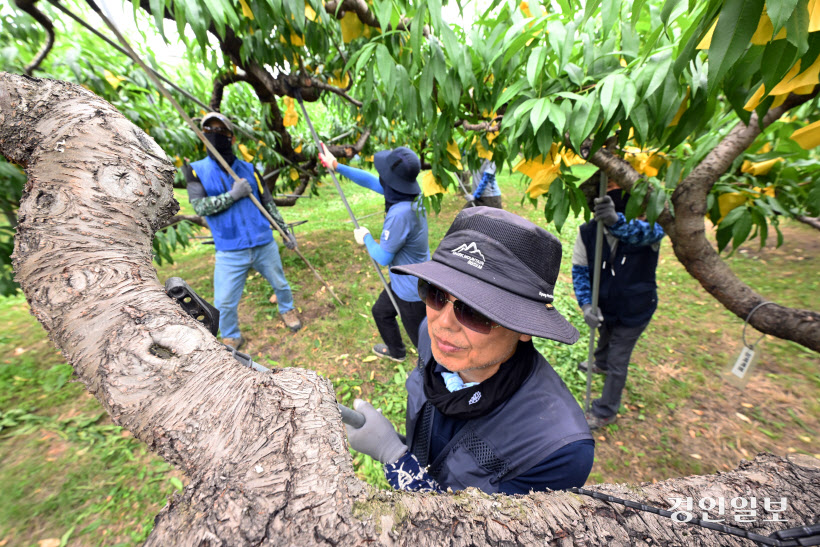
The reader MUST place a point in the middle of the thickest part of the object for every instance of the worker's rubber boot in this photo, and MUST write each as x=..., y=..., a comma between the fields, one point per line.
x=291, y=320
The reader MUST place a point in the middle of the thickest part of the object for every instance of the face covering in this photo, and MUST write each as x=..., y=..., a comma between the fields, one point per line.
x=393, y=196
x=223, y=145
x=619, y=198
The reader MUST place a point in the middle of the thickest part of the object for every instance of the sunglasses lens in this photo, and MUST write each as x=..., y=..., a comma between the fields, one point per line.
x=432, y=295
x=472, y=319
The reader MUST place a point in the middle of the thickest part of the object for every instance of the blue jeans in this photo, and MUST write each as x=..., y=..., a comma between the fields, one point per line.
x=229, y=279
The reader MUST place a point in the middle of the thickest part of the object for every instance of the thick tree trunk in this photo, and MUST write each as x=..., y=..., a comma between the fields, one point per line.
x=265, y=453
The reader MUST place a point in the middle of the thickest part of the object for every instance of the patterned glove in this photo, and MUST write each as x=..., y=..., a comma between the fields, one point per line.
x=593, y=318
x=359, y=234
x=290, y=241
x=327, y=159
x=241, y=188
x=377, y=437
x=605, y=211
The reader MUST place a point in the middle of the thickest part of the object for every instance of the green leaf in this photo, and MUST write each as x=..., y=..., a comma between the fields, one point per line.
x=779, y=12
x=434, y=9
x=735, y=28
x=741, y=228
x=629, y=94
x=576, y=75
x=797, y=27
x=661, y=65
x=385, y=62
x=657, y=201
x=426, y=82
x=539, y=113
x=417, y=33
x=543, y=139
x=176, y=483
x=383, y=10
x=637, y=7
x=158, y=11
x=590, y=8
x=580, y=114
x=668, y=7
x=508, y=93
x=634, y=206
x=534, y=65
x=610, y=89
x=640, y=121
x=558, y=116
x=610, y=9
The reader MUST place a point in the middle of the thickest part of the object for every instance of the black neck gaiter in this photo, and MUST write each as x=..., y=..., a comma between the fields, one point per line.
x=480, y=400
x=393, y=196
x=223, y=145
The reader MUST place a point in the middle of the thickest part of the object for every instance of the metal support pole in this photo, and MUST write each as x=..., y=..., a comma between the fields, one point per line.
x=206, y=142
x=596, y=285
x=347, y=205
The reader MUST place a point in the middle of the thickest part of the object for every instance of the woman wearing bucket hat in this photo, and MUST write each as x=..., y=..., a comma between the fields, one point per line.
x=403, y=241
x=484, y=408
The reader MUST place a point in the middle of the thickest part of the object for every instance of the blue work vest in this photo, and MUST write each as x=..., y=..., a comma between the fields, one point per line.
x=540, y=418
x=240, y=226
x=628, y=291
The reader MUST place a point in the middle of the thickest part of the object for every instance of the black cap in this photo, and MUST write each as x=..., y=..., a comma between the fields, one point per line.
x=502, y=265
x=399, y=168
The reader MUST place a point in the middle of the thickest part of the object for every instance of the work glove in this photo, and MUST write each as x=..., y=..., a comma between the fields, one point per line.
x=241, y=188
x=469, y=198
x=605, y=211
x=377, y=437
x=592, y=318
x=327, y=159
x=359, y=233
x=289, y=240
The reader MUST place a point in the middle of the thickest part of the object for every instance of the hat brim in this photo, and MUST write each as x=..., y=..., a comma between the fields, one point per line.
x=509, y=310
x=397, y=183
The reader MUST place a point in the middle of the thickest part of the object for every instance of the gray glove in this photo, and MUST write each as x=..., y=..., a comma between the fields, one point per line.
x=241, y=188
x=289, y=240
x=377, y=437
x=605, y=211
x=592, y=318
x=469, y=197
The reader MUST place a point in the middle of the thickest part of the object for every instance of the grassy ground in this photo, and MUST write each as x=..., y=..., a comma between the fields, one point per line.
x=70, y=476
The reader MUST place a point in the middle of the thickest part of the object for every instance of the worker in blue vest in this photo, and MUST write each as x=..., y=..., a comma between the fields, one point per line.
x=628, y=293
x=242, y=235
x=484, y=408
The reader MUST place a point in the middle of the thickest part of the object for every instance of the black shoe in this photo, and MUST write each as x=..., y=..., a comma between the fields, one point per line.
x=596, y=422
x=582, y=366
x=382, y=351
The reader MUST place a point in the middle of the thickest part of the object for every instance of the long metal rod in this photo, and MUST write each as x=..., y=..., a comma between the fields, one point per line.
x=596, y=285
x=347, y=205
x=208, y=145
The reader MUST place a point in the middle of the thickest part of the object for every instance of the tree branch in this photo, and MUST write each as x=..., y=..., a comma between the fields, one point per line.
x=365, y=15
x=814, y=222
x=29, y=7
x=220, y=83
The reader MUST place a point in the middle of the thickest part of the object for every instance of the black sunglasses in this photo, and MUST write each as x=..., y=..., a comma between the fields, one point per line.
x=437, y=298
x=219, y=130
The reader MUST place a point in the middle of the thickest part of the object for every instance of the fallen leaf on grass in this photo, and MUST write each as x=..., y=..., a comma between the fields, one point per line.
x=698, y=412
x=742, y=417
x=602, y=438
x=747, y=405
x=19, y=351
x=696, y=456
x=692, y=434
x=342, y=356
x=50, y=542
x=804, y=438
x=369, y=358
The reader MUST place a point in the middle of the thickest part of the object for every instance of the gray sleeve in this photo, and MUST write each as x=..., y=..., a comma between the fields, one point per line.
x=579, y=252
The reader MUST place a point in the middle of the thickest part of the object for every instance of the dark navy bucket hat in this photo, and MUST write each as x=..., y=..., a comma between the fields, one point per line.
x=503, y=266
x=398, y=168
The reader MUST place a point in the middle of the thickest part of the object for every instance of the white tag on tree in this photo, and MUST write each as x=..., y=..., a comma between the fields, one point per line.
x=739, y=370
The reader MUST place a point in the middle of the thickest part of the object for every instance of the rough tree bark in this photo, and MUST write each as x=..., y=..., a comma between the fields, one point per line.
x=687, y=231
x=265, y=453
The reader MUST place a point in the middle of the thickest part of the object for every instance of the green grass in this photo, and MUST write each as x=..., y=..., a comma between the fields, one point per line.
x=69, y=473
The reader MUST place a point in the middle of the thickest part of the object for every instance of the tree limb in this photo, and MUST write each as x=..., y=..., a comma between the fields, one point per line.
x=29, y=7
x=362, y=10
x=814, y=222
x=220, y=83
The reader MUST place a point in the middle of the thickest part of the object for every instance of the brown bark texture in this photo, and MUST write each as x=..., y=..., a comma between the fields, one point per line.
x=265, y=452
x=684, y=223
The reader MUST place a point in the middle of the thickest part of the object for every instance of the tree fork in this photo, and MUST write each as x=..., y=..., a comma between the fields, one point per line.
x=265, y=454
